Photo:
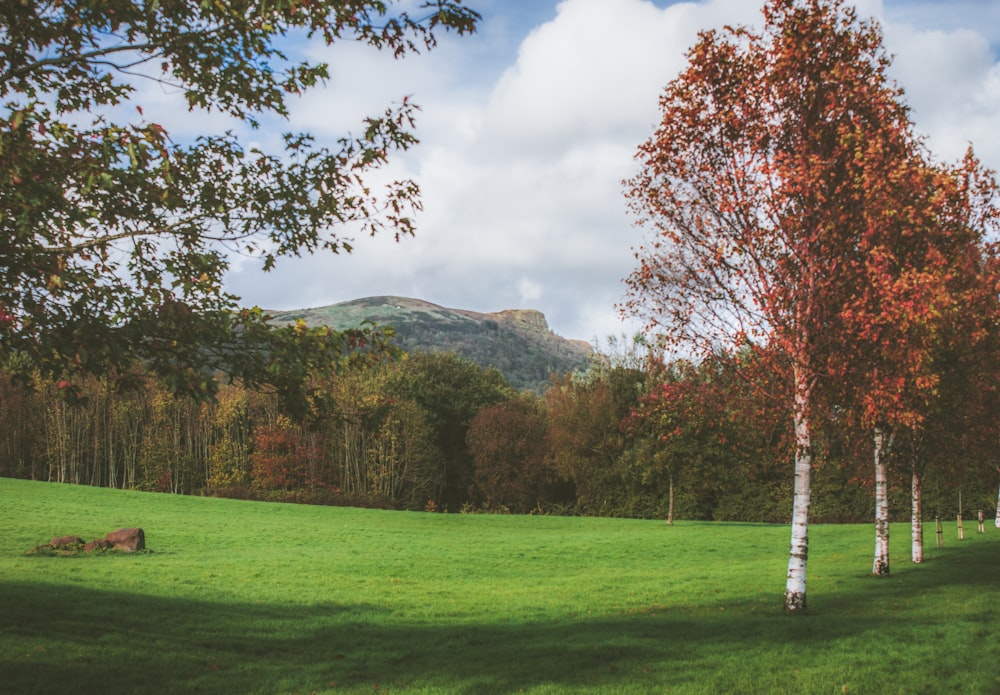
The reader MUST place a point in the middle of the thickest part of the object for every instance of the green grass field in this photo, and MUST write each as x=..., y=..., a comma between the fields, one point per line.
x=240, y=597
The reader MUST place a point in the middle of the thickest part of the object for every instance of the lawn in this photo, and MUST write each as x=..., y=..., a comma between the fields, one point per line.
x=243, y=597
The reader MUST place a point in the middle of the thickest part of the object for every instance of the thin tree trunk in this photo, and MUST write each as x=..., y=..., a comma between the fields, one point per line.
x=880, y=567
x=917, y=517
x=997, y=522
x=670, y=502
x=798, y=553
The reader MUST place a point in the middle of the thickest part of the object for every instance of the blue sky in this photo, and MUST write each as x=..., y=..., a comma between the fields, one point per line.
x=528, y=127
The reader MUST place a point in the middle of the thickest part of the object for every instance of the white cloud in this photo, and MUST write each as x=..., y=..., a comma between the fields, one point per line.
x=952, y=83
x=595, y=72
x=529, y=290
x=520, y=167
x=535, y=184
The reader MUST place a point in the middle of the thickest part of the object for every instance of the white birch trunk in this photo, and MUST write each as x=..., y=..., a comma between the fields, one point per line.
x=795, y=584
x=917, y=517
x=997, y=522
x=880, y=567
x=670, y=502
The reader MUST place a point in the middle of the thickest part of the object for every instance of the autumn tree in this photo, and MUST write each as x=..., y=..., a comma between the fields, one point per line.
x=677, y=412
x=228, y=458
x=964, y=358
x=754, y=188
x=718, y=430
x=510, y=454
x=588, y=435
x=403, y=457
x=115, y=238
x=284, y=457
x=920, y=315
x=381, y=442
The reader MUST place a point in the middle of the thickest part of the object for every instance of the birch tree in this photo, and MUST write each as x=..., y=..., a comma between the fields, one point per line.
x=754, y=189
x=996, y=521
x=919, y=320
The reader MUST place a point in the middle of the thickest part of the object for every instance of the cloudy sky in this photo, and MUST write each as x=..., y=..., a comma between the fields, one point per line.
x=528, y=127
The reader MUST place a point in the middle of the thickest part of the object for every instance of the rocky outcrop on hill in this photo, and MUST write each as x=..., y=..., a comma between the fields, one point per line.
x=518, y=342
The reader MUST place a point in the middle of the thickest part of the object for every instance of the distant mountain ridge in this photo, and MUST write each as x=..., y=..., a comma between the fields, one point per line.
x=518, y=342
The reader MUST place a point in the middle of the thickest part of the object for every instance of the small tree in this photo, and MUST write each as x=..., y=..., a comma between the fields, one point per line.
x=679, y=412
x=921, y=313
x=509, y=453
x=284, y=457
x=587, y=431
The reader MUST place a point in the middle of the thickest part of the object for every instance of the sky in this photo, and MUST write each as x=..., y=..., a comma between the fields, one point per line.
x=529, y=126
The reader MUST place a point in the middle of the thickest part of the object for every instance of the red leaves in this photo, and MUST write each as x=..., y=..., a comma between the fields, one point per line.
x=284, y=457
x=790, y=203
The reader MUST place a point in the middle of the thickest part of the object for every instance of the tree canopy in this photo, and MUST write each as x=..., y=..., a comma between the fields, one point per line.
x=785, y=187
x=114, y=238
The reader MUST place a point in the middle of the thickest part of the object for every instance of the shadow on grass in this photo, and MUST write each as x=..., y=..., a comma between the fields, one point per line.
x=67, y=638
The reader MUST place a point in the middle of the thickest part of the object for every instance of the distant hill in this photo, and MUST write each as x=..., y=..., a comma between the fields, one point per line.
x=517, y=342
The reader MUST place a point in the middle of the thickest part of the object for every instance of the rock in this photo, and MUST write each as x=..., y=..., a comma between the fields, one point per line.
x=128, y=540
x=99, y=544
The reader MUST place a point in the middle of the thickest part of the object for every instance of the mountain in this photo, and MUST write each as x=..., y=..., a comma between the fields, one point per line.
x=518, y=342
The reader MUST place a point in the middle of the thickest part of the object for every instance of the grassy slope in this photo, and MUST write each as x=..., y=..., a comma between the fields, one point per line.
x=253, y=597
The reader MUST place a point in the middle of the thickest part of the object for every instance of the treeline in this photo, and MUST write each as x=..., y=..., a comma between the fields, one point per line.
x=630, y=436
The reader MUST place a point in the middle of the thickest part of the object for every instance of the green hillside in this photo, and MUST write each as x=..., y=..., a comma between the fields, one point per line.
x=517, y=342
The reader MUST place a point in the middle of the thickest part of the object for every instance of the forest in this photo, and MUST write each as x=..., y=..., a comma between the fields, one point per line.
x=633, y=435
